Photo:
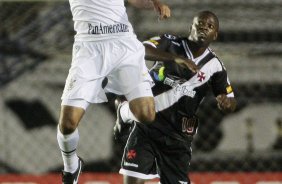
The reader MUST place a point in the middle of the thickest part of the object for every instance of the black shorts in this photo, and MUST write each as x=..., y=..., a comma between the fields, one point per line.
x=149, y=154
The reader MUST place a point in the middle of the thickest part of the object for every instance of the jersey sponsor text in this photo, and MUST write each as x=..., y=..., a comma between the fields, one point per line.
x=107, y=29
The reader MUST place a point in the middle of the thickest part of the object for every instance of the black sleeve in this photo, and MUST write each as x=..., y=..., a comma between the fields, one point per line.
x=220, y=83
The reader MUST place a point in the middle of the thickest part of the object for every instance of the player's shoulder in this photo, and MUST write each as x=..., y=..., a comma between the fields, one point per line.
x=164, y=39
x=213, y=54
x=216, y=59
x=170, y=37
x=167, y=37
x=211, y=51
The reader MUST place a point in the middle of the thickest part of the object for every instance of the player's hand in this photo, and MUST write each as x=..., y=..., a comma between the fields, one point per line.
x=225, y=103
x=187, y=63
x=162, y=9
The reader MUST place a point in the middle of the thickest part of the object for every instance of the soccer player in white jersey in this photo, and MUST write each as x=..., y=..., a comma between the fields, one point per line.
x=105, y=46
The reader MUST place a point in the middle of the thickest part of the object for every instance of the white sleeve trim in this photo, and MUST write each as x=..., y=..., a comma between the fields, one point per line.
x=230, y=95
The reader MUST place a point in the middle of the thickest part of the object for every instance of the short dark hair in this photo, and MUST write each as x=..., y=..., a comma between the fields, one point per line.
x=209, y=13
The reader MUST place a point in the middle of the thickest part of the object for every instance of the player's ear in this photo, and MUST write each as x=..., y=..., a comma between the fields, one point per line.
x=215, y=36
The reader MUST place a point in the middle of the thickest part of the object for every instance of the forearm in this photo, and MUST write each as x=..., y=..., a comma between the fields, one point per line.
x=162, y=9
x=144, y=4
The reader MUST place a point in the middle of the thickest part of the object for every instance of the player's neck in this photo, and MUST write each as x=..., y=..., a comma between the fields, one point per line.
x=196, y=49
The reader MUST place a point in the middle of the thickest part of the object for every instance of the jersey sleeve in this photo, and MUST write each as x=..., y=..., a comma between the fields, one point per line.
x=161, y=42
x=220, y=82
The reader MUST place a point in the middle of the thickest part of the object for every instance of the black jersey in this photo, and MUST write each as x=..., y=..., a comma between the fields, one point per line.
x=178, y=91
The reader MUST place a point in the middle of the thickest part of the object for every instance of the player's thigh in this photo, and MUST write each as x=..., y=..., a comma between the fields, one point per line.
x=138, y=159
x=87, y=72
x=174, y=161
x=143, y=108
x=130, y=71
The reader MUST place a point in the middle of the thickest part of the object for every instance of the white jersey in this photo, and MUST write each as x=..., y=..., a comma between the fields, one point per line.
x=100, y=19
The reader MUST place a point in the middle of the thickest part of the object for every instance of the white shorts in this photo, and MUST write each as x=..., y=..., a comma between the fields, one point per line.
x=121, y=61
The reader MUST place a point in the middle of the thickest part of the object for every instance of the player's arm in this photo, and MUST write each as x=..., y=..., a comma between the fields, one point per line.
x=162, y=9
x=154, y=53
x=223, y=90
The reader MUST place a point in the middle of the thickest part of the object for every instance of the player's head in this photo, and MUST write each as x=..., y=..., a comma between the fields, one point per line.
x=204, y=28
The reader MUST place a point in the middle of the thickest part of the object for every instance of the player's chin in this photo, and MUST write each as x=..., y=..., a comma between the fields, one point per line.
x=202, y=39
x=202, y=42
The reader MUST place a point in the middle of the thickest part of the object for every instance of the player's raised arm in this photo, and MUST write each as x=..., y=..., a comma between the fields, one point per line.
x=162, y=9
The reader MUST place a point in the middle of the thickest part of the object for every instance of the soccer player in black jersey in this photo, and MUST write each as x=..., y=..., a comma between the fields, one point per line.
x=163, y=149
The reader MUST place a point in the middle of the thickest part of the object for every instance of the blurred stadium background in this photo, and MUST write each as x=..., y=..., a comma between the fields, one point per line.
x=35, y=53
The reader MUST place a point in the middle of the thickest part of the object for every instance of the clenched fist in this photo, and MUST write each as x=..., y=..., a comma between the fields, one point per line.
x=226, y=104
x=162, y=9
